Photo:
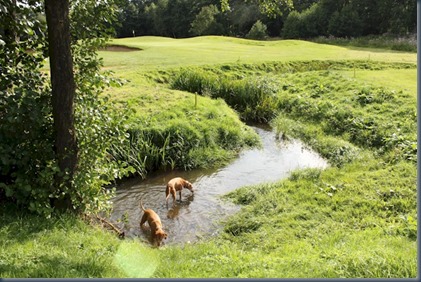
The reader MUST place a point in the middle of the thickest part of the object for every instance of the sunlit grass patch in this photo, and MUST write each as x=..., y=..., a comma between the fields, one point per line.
x=136, y=259
x=161, y=53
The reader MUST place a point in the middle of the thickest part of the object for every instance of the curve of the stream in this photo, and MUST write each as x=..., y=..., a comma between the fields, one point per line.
x=199, y=215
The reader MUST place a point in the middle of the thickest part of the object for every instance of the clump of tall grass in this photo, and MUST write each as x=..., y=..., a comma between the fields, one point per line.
x=238, y=71
x=196, y=81
x=161, y=148
x=253, y=97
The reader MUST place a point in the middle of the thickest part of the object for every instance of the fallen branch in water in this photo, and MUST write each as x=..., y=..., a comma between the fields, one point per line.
x=105, y=223
x=113, y=227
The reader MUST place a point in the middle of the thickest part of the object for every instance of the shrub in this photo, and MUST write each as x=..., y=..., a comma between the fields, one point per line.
x=345, y=23
x=307, y=24
x=258, y=31
x=27, y=164
x=294, y=26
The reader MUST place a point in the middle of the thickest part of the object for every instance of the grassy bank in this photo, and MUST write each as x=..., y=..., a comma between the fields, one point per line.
x=64, y=246
x=331, y=224
x=355, y=106
x=173, y=129
x=404, y=43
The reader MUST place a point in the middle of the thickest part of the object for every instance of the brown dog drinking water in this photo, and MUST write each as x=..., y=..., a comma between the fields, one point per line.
x=157, y=233
x=174, y=185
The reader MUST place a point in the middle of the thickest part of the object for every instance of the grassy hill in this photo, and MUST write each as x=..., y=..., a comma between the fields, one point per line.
x=161, y=53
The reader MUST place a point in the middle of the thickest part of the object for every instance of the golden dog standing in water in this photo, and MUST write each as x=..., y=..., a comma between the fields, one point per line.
x=177, y=184
x=157, y=233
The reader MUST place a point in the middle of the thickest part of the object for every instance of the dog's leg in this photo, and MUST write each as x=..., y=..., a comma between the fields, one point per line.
x=166, y=199
x=167, y=194
x=143, y=220
x=173, y=196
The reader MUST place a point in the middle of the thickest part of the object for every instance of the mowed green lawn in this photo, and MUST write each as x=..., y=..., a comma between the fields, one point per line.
x=157, y=54
x=405, y=80
x=162, y=53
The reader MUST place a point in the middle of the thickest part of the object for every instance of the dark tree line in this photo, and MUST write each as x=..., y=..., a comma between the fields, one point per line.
x=292, y=19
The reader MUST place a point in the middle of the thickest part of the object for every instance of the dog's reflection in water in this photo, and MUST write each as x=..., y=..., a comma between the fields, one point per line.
x=175, y=209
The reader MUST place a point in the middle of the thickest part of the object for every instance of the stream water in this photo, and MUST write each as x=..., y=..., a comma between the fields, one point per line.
x=199, y=215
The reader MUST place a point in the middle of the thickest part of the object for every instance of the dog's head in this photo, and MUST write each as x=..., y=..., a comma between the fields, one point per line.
x=160, y=235
x=188, y=185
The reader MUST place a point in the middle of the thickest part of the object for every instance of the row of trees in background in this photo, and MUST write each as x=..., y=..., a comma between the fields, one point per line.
x=248, y=18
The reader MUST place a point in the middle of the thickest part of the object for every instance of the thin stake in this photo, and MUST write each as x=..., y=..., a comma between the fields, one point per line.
x=195, y=100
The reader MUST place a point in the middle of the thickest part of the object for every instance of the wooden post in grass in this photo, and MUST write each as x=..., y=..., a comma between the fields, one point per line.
x=195, y=100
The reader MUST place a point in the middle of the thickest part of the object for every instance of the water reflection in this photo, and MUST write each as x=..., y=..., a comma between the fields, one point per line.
x=198, y=215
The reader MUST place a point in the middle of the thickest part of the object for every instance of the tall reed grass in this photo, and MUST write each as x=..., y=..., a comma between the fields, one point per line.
x=253, y=97
x=184, y=144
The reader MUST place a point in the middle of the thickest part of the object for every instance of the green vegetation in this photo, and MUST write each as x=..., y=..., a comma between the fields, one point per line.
x=404, y=43
x=43, y=168
x=357, y=218
x=159, y=53
x=298, y=19
x=336, y=223
x=182, y=131
x=63, y=246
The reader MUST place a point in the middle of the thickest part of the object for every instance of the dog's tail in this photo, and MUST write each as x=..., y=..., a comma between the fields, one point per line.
x=141, y=205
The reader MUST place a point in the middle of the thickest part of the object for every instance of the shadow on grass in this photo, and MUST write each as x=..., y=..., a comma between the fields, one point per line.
x=20, y=226
x=59, y=247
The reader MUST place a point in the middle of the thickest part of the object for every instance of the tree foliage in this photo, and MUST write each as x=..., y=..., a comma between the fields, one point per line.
x=28, y=163
x=257, y=31
x=307, y=18
x=205, y=22
x=345, y=18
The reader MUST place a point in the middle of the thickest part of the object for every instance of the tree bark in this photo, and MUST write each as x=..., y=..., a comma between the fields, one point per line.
x=63, y=94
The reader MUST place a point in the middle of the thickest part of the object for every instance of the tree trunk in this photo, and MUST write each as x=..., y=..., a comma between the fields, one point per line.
x=63, y=93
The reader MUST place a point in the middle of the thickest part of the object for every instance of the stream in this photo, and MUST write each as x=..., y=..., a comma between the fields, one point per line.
x=199, y=215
